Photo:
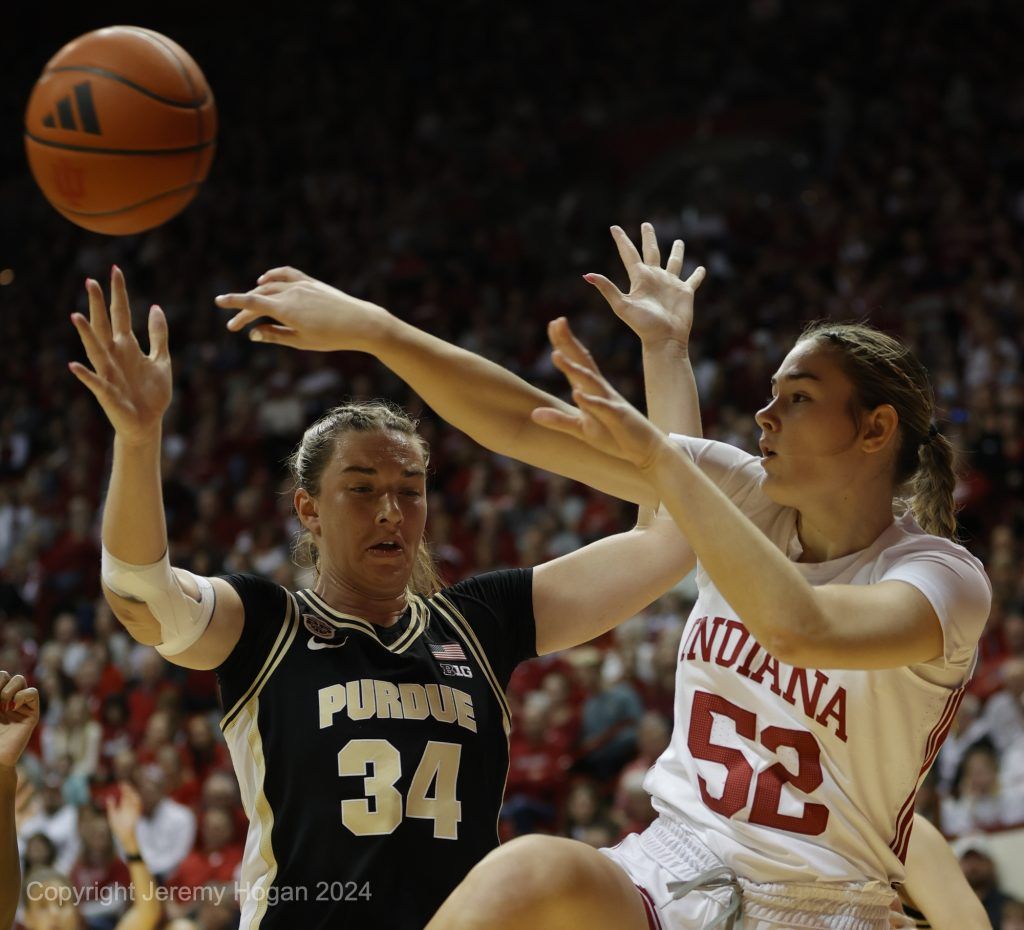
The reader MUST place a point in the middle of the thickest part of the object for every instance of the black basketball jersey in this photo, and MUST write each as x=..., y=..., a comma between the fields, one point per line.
x=372, y=762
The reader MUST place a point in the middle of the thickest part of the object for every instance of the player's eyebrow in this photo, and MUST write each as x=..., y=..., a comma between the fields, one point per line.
x=413, y=472
x=795, y=376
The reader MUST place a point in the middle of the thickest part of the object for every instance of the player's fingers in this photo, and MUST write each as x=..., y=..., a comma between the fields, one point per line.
x=4, y=677
x=98, y=318
x=579, y=376
x=10, y=688
x=284, y=273
x=559, y=420
x=157, y=333
x=649, y=242
x=697, y=278
x=627, y=251
x=91, y=380
x=120, y=309
x=270, y=288
x=561, y=336
x=271, y=332
x=608, y=290
x=674, y=265
x=26, y=699
x=97, y=353
x=258, y=303
x=242, y=319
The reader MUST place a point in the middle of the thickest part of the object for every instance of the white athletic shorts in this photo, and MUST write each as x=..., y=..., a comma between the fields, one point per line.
x=668, y=851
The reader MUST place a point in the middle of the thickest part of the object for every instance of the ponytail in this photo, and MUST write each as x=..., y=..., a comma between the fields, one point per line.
x=932, y=486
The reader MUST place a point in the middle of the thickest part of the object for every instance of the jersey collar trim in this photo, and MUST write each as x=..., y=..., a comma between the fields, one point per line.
x=415, y=611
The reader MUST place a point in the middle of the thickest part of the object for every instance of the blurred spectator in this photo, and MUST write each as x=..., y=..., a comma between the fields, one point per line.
x=585, y=812
x=539, y=757
x=216, y=860
x=56, y=819
x=988, y=679
x=1012, y=915
x=975, y=855
x=206, y=751
x=978, y=802
x=608, y=717
x=968, y=727
x=39, y=851
x=167, y=829
x=99, y=870
x=77, y=736
x=181, y=784
x=116, y=735
x=1004, y=711
x=652, y=739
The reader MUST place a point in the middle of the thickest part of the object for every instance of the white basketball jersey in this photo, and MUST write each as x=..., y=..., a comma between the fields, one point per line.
x=792, y=774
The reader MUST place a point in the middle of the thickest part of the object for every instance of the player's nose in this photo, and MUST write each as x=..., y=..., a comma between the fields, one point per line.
x=389, y=511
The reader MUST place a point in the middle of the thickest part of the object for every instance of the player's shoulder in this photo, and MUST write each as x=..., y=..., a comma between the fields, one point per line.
x=907, y=541
x=256, y=592
x=490, y=587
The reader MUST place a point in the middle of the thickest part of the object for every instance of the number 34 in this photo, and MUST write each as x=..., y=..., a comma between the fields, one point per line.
x=438, y=766
x=768, y=792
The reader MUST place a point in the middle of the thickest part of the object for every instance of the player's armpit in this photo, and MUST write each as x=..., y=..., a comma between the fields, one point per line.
x=217, y=641
x=134, y=616
x=890, y=624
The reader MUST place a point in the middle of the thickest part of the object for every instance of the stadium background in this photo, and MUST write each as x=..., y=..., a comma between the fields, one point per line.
x=460, y=163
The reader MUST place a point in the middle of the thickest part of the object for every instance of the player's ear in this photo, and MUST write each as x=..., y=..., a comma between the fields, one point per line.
x=879, y=427
x=306, y=508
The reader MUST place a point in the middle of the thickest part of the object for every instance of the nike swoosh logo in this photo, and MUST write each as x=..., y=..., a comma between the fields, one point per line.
x=316, y=644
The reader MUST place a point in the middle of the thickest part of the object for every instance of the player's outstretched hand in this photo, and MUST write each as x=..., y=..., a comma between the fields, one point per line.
x=309, y=314
x=659, y=306
x=133, y=388
x=123, y=814
x=19, y=714
x=603, y=417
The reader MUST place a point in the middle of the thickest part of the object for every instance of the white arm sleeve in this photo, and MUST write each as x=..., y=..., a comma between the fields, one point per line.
x=182, y=620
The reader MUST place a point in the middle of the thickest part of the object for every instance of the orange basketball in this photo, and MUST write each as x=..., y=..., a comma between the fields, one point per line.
x=120, y=130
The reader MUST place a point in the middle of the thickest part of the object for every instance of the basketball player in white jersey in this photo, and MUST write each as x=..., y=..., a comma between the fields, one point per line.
x=827, y=650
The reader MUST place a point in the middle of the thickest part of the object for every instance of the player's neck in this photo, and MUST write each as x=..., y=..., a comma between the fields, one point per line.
x=380, y=608
x=841, y=527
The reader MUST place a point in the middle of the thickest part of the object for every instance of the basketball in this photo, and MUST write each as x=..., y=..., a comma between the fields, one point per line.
x=120, y=130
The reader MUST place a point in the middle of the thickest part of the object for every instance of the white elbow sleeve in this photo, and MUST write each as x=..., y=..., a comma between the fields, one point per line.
x=182, y=620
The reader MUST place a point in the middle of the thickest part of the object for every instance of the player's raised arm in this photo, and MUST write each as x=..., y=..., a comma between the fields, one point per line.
x=473, y=394
x=158, y=605
x=19, y=713
x=585, y=593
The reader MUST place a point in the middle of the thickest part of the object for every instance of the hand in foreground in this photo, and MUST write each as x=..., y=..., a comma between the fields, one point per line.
x=310, y=315
x=19, y=714
x=123, y=815
x=603, y=418
x=134, y=389
x=659, y=306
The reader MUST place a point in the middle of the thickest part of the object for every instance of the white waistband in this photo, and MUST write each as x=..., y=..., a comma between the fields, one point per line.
x=850, y=905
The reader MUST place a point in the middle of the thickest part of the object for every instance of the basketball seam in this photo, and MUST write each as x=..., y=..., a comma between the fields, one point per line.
x=131, y=206
x=182, y=150
x=114, y=76
x=158, y=39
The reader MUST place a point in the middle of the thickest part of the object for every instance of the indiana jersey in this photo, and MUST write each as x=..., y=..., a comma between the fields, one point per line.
x=371, y=761
x=792, y=774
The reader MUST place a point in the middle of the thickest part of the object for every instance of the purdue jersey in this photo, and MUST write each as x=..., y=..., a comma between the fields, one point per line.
x=371, y=761
x=801, y=775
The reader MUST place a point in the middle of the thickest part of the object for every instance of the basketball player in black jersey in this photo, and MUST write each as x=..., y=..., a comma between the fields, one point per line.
x=366, y=717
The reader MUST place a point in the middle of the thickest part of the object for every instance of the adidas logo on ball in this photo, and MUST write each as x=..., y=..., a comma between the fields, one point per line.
x=65, y=114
